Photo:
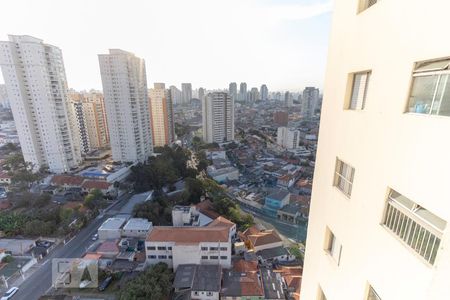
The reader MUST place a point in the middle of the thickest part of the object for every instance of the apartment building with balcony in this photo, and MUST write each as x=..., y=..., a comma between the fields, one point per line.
x=161, y=115
x=124, y=83
x=378, y=226
x=36, y=84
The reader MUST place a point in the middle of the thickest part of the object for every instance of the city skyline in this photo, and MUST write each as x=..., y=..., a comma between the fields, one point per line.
x=289, y=56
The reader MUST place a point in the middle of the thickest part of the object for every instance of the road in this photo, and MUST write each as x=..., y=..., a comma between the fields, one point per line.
x=40, y=281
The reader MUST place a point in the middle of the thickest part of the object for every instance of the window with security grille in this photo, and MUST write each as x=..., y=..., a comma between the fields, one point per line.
x=430, y=90
x=343, y=177
x=415, y=226
x=359, y=90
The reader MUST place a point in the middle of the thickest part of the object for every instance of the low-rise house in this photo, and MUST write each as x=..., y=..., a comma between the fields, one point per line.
x=108, y=249
x=277, y=254
x=198, y=282
x=242, y=282
x=223, y=175
x=111, y=229
x=189, y=245
x=275, y=201
x=258, y=240
x=272, y=284
x=67, y=181
x=104, y=186
x=290, y=213
x=137, y=227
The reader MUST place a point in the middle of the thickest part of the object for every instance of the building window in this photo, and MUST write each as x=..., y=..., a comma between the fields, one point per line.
x=204, y=248
x=360, y=83
x=209, y=293
x=223, y=248
x=213, y=257
x=151, y=248
x=372, y=295
x=170, y=256
x=224, y=257
x=161, y=248
x=430, y=90
x=204, y=257
x=152, y=256
x=343, y=177
x=416, y=226
x=169, y=248
x=213, y=248
x=162, y=256
x=332, y=246
x=365, y=4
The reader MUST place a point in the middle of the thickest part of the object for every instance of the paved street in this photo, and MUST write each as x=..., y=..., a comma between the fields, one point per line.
x=40, y=281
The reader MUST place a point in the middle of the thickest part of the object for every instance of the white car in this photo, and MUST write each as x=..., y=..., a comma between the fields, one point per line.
x=95, y=237
x=8, y=295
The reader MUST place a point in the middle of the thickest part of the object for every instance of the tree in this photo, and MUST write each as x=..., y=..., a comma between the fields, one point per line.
x=154, y=283
x=193, y=190
x=94, y=200
x=42, y=200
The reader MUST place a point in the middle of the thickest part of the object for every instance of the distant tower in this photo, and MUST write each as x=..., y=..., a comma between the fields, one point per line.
x=126, y=100
x=232, y=91
x=288, y=99
x=243, y=91
x=37, y=90
x=218, y=118
x=254, y=94
x=161, y=115
x=264, y=93
x=186, y=93
x=176, y=94
x=201, y=93
x=310, y=99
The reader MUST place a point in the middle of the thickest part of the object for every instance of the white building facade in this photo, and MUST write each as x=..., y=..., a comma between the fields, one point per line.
x=378, y=226
x=124, y=82
x=218, y=118
x=288, y=137
x=37, y=90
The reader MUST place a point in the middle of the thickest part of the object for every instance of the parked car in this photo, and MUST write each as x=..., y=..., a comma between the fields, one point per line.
x=104, y=284
x=44, y=244
x=10, y=293
x=95, y=237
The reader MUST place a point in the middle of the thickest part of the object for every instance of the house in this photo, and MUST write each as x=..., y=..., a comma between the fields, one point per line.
x=273, y=284
x=290, y=213
x=242, y=282
x=275, y=201
x=189, y=245
x=137, y=227
x=223, y=175
x=104, y=186
x=198, y=282
x=111, y=228
x=67, y=181
x=293, y=279
x=279, y=254
x=108, y=249
x=258, y=240
x=206, y=207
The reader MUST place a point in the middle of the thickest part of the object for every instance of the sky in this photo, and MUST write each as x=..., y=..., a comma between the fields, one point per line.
x=281, y=43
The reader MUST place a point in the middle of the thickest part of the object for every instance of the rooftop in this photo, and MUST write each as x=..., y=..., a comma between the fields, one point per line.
x=272, y=252
x=189, y=234
x=112, y=224
x=198, y=277
x=137, y=224
x=278, y=195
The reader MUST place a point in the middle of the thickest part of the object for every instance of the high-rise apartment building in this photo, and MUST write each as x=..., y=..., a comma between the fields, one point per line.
x=281, y=118
x=201, y=93
x=126, y=101
x=175, y=94
x=288, y=137
x=243, y=91
x=379, y=217
x=218, y=118
x=186, y=93
x=161, y=115
x=90, y=114
x=288, y=101
x=264, y=93
x=254, y=94
x=310, y=99
x=37, y=90
x=232, y=91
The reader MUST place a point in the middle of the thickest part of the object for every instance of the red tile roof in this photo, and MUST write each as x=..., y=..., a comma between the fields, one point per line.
x=188, y=235
x=259, y=238
x=222, y=222
x=67, y=180
x=108, y=247
x=96, y=184
x=206, y=207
